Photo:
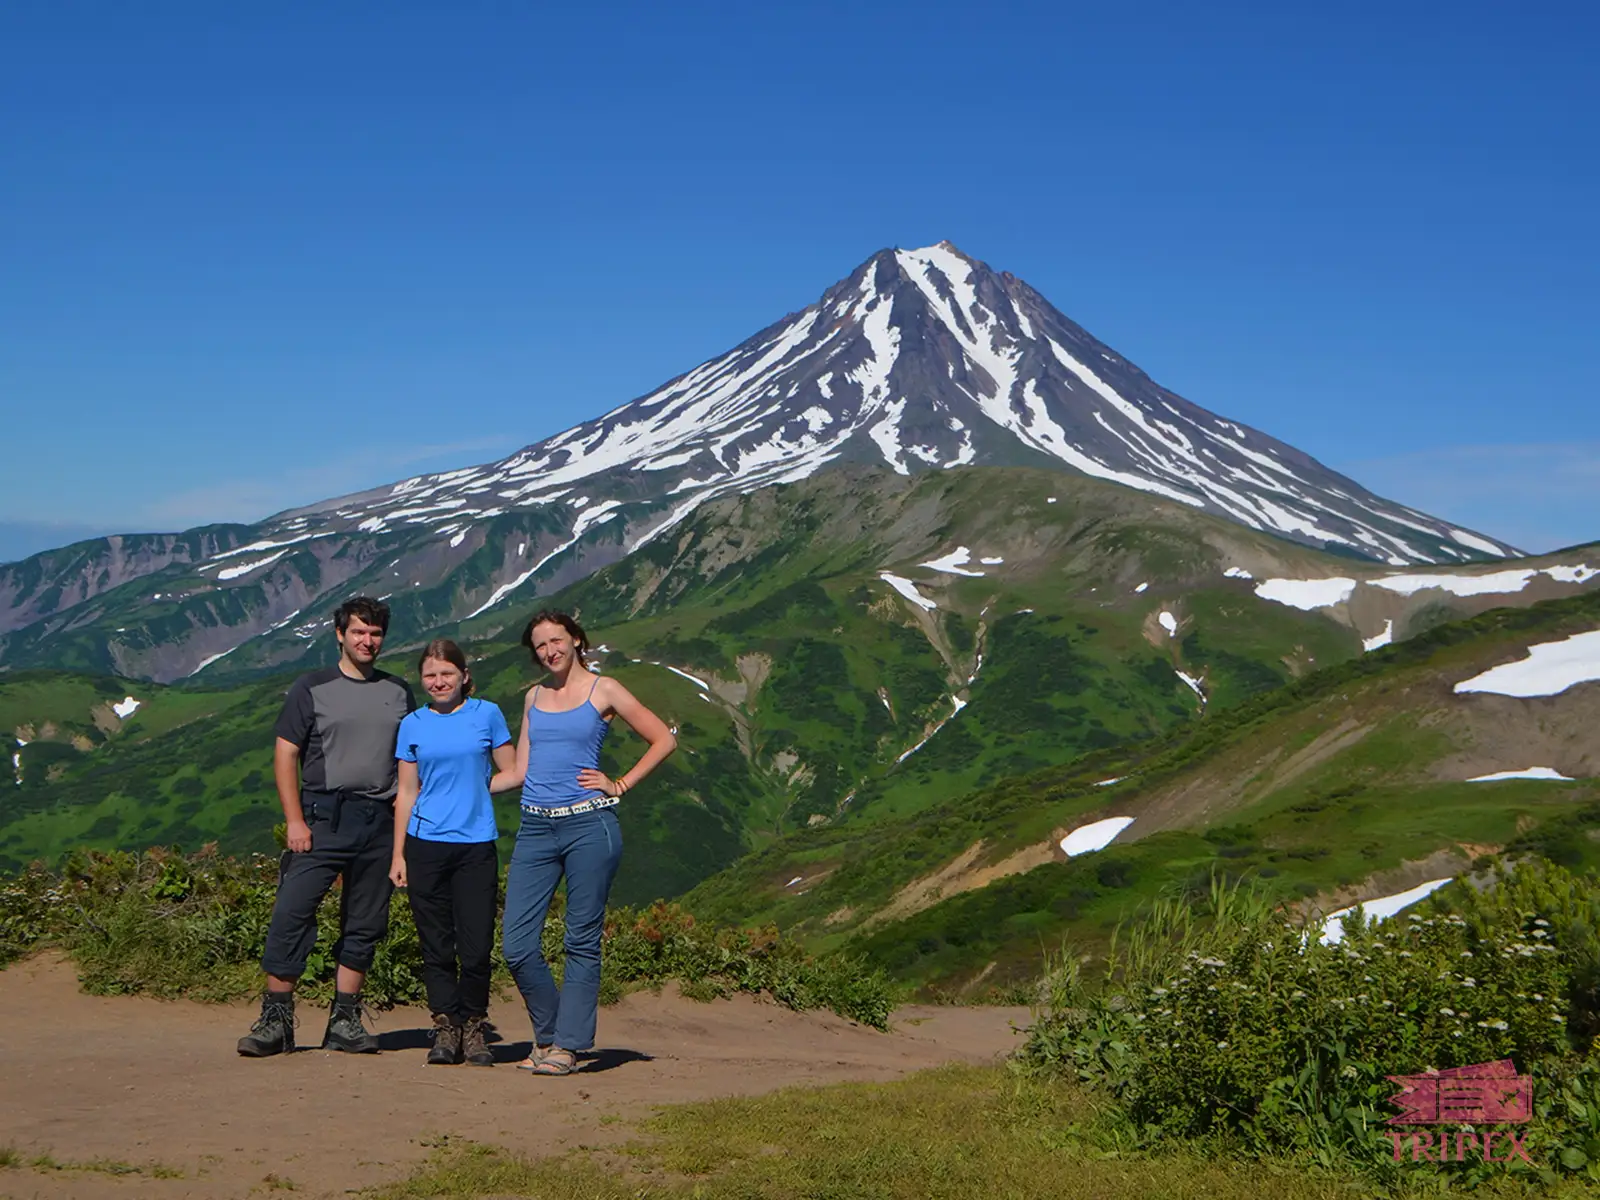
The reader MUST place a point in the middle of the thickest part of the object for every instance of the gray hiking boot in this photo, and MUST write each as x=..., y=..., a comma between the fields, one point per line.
x=446, y=1050
x=474, y=1045
x=346, y=1030
x=273, y=1032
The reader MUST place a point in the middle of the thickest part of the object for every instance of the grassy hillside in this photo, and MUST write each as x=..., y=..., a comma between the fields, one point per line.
x=798, y=678
x=1349, y=782
x=809, y=691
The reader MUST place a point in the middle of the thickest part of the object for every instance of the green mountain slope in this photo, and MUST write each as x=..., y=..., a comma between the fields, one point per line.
x=1348, y=784
x=829, y=658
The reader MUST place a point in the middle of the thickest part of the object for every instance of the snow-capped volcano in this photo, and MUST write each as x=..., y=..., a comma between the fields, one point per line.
x=920, y=359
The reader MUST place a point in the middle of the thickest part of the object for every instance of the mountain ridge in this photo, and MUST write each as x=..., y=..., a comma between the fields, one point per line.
x=918, y=360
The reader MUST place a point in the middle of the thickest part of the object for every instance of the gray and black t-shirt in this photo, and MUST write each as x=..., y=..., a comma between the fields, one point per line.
x=345, y=729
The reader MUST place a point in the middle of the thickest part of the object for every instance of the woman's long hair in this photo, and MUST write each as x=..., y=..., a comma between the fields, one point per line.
x=580, y=640
x=447, y=651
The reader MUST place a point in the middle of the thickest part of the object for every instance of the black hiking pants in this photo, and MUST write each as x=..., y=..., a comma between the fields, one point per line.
x=359, y=852
x=452, y=886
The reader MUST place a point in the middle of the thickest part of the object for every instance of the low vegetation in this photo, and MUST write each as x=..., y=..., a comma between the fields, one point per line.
x=1233, y=1026
x=948, y=1134
x=167, y=924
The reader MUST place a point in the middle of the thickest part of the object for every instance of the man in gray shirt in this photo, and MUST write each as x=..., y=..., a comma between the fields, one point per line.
x=334, y=765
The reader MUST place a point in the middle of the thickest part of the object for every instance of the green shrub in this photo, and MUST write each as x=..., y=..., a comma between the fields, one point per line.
x=1232, y=1020
x=166, y=924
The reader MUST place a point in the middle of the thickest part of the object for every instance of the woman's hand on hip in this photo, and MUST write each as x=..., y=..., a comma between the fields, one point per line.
x=598, y=781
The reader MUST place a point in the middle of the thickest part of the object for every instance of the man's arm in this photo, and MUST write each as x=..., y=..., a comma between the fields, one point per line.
x=286, y=774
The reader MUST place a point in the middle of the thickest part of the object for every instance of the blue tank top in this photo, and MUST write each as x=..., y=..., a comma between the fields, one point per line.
x=560, y=744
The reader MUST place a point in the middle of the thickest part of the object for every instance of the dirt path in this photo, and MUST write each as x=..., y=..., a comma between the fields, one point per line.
x=142, y=1082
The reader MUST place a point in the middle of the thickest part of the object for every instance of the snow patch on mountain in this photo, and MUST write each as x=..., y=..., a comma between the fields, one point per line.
x=1096, y=835
x=1377, y=909
x=907, y=589
x=1525, y=773
x=599, y=514
x=953, y=563
x=1550, y=669
x=1306, y=594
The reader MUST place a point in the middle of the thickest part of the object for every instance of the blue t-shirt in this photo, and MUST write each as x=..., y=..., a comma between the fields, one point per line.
x=454, y=763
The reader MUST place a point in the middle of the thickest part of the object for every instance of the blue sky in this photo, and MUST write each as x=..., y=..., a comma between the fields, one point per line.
x=260, y=255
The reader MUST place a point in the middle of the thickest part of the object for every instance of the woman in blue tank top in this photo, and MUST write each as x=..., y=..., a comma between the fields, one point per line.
x=569, y=828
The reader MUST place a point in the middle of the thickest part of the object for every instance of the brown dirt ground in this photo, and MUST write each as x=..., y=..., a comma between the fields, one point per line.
x=140, y=1081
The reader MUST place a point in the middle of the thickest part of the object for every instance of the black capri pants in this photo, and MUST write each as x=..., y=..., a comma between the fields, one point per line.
x=452, y=887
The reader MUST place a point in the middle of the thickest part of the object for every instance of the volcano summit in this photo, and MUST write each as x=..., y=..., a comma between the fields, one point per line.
x=919, y=360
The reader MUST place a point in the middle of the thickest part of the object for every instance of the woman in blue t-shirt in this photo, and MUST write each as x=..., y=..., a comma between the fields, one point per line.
x=451, y=755
x=569, y=829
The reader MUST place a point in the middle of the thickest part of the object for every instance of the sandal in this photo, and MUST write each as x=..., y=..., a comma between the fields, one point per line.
x=531, y=1063
x=557, y=1062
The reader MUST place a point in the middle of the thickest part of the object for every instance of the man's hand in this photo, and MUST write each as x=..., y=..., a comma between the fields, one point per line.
x=397, y=872
x=299, y=836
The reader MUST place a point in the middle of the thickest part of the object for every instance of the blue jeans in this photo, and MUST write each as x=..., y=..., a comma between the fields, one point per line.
x=586, y=848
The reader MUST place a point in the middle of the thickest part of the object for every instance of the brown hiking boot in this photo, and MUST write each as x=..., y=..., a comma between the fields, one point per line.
x=446, y=1050
x=474, y=1047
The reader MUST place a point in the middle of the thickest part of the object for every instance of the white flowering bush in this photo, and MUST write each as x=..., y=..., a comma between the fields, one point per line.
x=1240, y=1022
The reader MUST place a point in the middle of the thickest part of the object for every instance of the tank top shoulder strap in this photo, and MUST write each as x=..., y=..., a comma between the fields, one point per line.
x=594, y=684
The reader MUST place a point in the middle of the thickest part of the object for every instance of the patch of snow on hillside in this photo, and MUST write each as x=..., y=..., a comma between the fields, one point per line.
x=126, y=707
x=1525, y=773
x=1049, y=499
x=1378, y=640
x=1109, y=782
x=952, y=563
x=1550, y=669
x=257, y=547
x=1169, y=623
x=1096, y=835
x=1380, y=908
x=886, y=433
x=598, y=515
x=1140, y=588
x=959, y=705
x=1194, y=683
x=907, y=589
x=1237, y=573
x=1459, y=585
x=663, y=462
x=1579, y=574
x=1306, y=594
x=246, y=568
x=992, y=562
x=206, y=662
x=1473, y=542
x=459, y=538
x=699, y=683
